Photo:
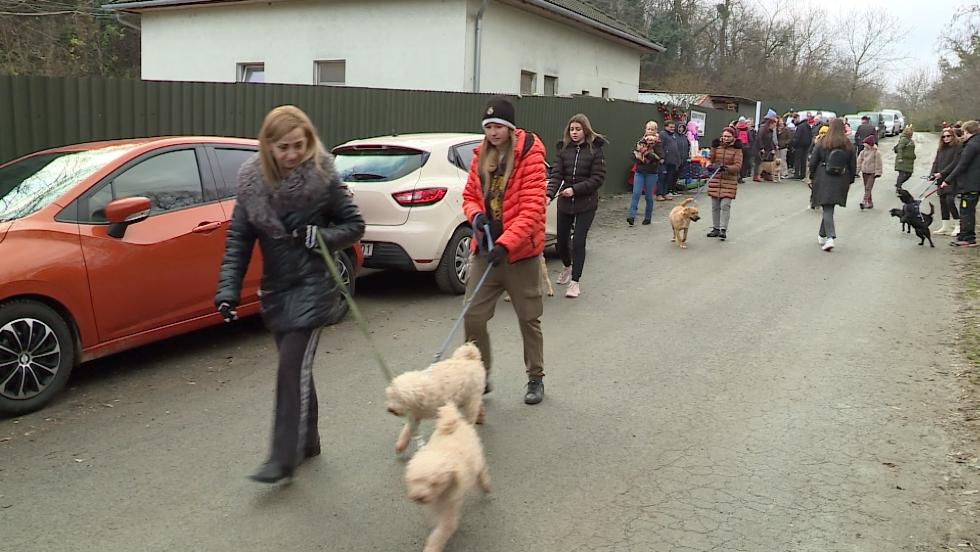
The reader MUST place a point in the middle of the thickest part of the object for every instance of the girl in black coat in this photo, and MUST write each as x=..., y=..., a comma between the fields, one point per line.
x=830, y=190
x=577, y=175
x=946, y=158
x=289, y=194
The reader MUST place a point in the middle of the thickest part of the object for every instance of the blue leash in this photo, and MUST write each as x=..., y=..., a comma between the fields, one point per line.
x=707, y=181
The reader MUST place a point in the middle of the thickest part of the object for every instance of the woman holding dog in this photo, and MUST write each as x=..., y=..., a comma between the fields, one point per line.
x=726, y=158
x=648, y=154
x=904, y=156
x=946, y=158
x=290, y=198
x=578, y=173
x=833, y=167
x=505, y=193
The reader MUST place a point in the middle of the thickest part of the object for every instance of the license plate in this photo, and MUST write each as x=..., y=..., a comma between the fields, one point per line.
x=367, y=249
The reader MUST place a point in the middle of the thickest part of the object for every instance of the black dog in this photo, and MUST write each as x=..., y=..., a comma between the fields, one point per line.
x=897, y=212
x=911, y=215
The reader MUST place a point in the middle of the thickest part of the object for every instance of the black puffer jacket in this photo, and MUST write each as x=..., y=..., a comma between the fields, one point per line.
x=967, y=171
x=829, y=189
x=945, y=162
x=581, y=167
x=297, y=292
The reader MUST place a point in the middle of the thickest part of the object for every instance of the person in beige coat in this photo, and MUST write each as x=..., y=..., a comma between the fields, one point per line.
x=870, y=166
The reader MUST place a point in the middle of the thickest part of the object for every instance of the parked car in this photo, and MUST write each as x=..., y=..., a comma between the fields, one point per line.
x=111, y=245
x=889, y=119
x=854, y=121
x=410, y=191
x=898, y=121
x=825, y=115
x=877, y=119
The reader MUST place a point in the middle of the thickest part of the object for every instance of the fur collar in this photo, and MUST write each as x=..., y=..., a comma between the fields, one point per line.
x=266, y=203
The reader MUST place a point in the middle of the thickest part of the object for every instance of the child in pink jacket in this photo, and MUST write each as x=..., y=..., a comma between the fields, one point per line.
x=869, y=165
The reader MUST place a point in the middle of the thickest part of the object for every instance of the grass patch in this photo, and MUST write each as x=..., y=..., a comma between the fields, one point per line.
x=970, y=303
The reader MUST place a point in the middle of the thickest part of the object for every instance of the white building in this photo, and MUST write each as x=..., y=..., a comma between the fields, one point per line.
x=551, y=47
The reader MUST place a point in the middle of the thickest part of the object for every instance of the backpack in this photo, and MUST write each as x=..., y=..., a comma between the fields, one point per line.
x=837, y=162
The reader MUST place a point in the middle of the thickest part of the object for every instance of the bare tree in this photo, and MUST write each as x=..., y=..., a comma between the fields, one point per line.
x=913, y=90
x=868, y=39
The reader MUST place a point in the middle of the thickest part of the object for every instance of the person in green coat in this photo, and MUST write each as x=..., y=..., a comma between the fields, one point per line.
x=904, y=156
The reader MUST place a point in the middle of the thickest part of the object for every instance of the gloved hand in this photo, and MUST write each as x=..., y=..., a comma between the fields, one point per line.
x=497, y=255
x=480, y=220
x=228, y=312
x=307, y=234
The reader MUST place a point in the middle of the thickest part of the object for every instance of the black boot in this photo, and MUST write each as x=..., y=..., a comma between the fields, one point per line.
x=714, y=233
x=487, y=387
x=722, y=235
x=271, y=473
x=646, y=221
x=312, y=450
x=629, y=221
x=535, y=391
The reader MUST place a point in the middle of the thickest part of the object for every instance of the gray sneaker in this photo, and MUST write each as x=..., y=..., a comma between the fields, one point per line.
x=535, y=391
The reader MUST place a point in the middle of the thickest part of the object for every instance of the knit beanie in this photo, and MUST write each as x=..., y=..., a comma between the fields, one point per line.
x=499, y=110
x=870, y=140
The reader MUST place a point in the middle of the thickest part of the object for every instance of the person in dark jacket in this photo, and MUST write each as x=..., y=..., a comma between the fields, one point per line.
x=648, y=156
x=830, y=190
x=946, y=158
x=801, y=146
x=966, y=175
x=578, y=173
x=289, y=197
x=764, y=148
x=863, y=131
x=672, y=159
x=684, y=152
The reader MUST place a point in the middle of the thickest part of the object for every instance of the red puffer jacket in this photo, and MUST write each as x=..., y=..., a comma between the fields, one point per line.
x=524, y=200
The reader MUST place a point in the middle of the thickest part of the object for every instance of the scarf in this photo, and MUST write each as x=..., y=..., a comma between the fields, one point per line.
x=267, y=203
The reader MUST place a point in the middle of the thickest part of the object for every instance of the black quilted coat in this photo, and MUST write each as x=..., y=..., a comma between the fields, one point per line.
x=297, y=292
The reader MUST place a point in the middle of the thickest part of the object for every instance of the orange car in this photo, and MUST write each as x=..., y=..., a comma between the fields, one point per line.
x=111, y=245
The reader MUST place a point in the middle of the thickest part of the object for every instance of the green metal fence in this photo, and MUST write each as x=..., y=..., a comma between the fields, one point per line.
x=43, y=112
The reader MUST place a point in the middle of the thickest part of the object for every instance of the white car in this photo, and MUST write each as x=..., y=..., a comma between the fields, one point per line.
x=410, y=191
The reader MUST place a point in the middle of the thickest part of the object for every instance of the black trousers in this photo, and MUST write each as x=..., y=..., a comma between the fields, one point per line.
x=902, y=177
x=968, y=216
x=669, y=175
x=947, y=207
x=294, y=428
x=574, y=256
x=799, y=168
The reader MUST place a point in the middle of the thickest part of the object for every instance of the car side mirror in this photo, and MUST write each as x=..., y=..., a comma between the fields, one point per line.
x=123, y=212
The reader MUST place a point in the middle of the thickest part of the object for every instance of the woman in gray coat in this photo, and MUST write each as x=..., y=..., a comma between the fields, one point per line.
x=833, y=166
x=289, y=199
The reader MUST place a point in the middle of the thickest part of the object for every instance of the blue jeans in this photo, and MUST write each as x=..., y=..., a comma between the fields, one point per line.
x=643, y=184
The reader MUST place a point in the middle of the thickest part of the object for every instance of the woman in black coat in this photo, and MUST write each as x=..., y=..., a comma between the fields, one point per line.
x=833, y=153
x=577, y=175
x=946, y=158
x=966, y=174
x=289, y=194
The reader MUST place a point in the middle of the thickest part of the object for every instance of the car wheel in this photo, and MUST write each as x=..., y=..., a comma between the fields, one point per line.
x=454, y=266
x=346, y=268
x=37, y=354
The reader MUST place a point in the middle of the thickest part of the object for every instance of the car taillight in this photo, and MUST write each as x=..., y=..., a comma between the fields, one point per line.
x=423, y=196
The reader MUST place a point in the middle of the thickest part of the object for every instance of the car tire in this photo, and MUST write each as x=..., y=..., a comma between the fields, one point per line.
x=37, y=354
x=347, y=274
x=454, y=266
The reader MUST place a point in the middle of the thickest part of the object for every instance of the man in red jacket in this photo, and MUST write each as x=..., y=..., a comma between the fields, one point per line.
x=505, y=194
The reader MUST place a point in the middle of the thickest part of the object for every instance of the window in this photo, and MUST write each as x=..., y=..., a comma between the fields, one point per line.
x=529, y=83
x=251, y=72
x=377, y=164
x=464, y=154
x=605, y=93
x=550, y=86
x=585, y=93
x=229, y=161
x=331, y=72
x=170, y=181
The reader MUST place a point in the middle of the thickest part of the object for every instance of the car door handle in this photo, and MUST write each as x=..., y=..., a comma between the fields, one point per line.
x=205, y=227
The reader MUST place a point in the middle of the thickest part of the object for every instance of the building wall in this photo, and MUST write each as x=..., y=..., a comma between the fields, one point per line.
x=414, y=44
x=516, y=40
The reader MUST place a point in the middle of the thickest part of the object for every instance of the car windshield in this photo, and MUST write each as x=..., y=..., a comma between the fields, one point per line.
x=31, y=184
x=377, y=163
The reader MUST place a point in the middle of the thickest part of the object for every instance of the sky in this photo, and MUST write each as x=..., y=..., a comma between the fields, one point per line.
x=923, y=19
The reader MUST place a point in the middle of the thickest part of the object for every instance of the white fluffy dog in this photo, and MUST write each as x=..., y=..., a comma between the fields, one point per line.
x=459, y=380
x=441, y=472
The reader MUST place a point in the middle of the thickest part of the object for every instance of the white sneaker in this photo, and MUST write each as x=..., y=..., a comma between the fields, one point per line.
x=573, y=290
x=956, y=230
x=828, y=244
x=821, y=240
x=564, y=276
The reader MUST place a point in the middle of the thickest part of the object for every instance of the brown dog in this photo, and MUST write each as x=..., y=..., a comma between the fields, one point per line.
x=680, y=219
x=774, y=168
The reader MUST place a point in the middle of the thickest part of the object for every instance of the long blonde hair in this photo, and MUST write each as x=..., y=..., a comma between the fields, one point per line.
x=278, y=123
x=491, y=157
x=590, y=134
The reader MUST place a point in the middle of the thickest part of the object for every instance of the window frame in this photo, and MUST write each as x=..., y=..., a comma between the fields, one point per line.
x=78, y=211
x=316, y=72
x=243, y=66
x=554, y=85
x=454, y=156
x=534, y=83
x=605, y=92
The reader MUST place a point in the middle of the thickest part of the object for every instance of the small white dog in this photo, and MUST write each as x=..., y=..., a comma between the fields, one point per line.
x=441, y=472
x=418, y=395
